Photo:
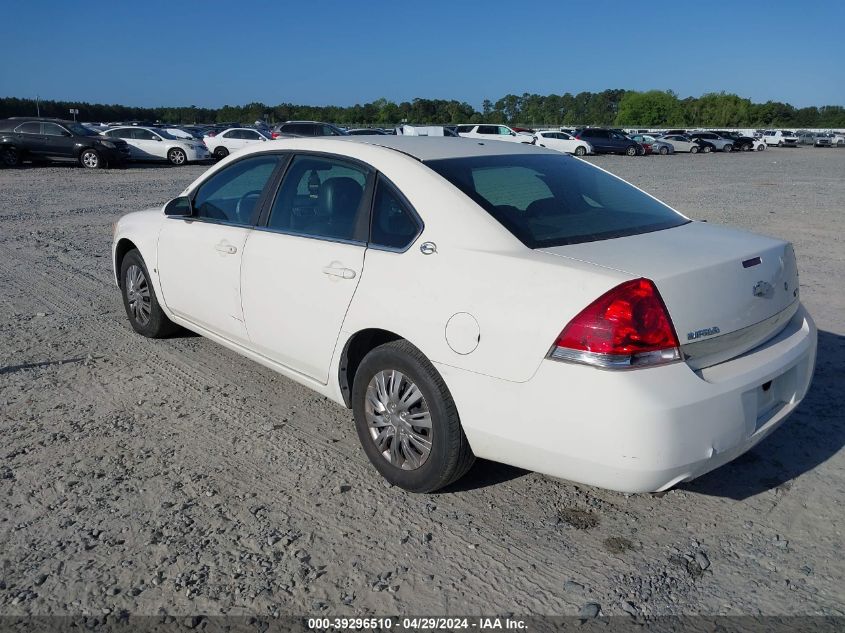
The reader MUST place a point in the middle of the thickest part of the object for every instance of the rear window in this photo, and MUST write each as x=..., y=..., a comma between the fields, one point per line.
x=546, y=200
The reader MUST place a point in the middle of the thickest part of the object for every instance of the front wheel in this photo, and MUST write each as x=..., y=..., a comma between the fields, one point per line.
x=580, y=150
x=177, y=156
x=747, y=147
x=728, y=148
x=631, y=151
x=761, y=147
x=706, y=149
x=407, y=421
x=663, y=151
x=139, y=299
x=90, y=159
x=693, y=149
x=780, y=143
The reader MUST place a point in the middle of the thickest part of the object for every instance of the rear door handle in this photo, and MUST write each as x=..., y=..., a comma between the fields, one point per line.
x=226, y=248
x=345, y=273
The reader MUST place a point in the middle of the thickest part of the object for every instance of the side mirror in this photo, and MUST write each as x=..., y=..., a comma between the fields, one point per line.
x=179, y=207
x=513, y=133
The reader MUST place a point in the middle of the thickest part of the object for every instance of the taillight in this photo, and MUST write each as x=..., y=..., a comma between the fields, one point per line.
x=212, y=133
x=626, y=327
x=274, y=135
x=578, y=137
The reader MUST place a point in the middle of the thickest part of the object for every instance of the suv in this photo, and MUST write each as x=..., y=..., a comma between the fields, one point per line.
x=780, y=138
x=606, y=141
x=307, y=128
x=494, y=132
x=711, y=138
x=35, y=138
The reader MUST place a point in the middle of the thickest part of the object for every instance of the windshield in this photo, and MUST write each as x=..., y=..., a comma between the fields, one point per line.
x=546, y=200
x=80, y=130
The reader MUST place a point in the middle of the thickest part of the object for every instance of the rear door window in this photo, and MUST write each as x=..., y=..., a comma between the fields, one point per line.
x=31, y=127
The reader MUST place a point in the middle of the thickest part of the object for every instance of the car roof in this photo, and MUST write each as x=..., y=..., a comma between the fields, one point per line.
x=427, y=148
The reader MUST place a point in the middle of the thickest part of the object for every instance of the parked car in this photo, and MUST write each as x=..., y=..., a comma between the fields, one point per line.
x=805, y=137
x=740, y=142
x=682, y=143
x=759, y=145
x=821, y=139
x=780, y=138
x=308, y=128
x=652, y=145
x=363, y=131
x=590, y=382
x=494, y=133
x=837, y=139
x=606, y=141
x=233, y=139
x=562, y=142
x=32, y=138
x=154, y=144
x=714, y=140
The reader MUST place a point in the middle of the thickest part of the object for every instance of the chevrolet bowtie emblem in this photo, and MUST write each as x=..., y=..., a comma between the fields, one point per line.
x=763, y=289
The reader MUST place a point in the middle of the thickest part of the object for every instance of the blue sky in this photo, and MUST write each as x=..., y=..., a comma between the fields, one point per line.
x=333, y=52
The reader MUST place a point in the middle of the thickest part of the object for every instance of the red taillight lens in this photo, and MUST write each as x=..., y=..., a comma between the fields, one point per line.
x=628, y=326
x=274, y=135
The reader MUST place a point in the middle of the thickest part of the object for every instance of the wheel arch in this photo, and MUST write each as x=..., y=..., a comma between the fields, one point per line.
x=123, y=246
x=356, y=348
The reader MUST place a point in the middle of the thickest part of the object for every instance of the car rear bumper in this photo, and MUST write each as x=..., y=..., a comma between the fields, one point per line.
x=641, y=430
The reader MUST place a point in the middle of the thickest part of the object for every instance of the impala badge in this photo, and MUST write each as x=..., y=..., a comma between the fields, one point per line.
x=763, y=289
x=708, y=331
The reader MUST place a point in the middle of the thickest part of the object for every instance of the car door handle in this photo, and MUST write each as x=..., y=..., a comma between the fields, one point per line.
x=345, y=273
x=226, y=248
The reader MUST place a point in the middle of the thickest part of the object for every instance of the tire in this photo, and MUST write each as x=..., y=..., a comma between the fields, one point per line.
x=380, y=415
x=663, y=151
x=693, y=149
x=631, y=150
x=728, y=148
x=780, y=143
x=177, y=156
x=762, y=147
x=706, y=149
x=11, y=156
x=580, y=150
x=747, y=147
x=90, y=159
x=138, y=292
x=221, y=152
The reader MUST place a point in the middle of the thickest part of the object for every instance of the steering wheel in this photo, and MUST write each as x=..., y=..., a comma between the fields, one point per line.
x=250, y=197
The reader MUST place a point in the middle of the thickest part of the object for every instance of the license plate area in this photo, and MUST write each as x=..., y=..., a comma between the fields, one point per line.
x=772, y=396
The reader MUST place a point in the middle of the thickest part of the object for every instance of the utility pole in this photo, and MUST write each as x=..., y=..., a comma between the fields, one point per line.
x=37, y=107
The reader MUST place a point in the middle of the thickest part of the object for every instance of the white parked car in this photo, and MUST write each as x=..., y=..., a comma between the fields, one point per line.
x=147, y=143
x=494, y=133
x=463, y=299
x=224, y=143
x=562, y=142
x=758, y=145
x=780, y=138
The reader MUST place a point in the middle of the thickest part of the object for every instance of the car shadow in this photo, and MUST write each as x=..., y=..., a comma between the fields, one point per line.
x=484, y=473
x=813, y=434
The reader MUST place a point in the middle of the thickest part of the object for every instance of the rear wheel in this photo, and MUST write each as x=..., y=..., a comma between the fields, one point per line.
x=632, y=150
x=140, y=301
x=580, y=150
x=663, y=151
x=706, y=149
x=221, y=152
x=407, y=420
x=728, y=148
x=90, y=159
x=761, y=147
x=177, y=156
x=747, y=147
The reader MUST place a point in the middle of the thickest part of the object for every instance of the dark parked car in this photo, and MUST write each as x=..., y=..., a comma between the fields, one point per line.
x=740, y=142
x=713, y=140
x=308, y=128
x=23, y=138
x=606, y=141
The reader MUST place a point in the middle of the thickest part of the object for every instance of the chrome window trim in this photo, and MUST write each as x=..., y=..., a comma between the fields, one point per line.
x=322, y=238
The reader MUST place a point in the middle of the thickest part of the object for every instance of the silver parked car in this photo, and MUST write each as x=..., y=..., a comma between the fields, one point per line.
x=721, y=144
x=656, y=145
x=822, y=140
x=681, y=143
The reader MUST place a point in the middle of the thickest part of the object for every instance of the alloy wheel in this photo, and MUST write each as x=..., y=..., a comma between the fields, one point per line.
x=138, y=294
x=90, y=159
x=398, y=419
x=177, y=157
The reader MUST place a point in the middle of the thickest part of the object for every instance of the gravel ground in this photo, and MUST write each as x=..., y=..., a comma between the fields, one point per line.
x=174, y=476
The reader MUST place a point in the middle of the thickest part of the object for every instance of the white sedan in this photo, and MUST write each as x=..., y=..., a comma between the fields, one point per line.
x=562, y=142
x=474, y=299
x=146, y=143
x=494, y=133
x=224, y=143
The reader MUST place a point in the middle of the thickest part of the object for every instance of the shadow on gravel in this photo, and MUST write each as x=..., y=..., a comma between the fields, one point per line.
x=811, y=436
x=483, y=474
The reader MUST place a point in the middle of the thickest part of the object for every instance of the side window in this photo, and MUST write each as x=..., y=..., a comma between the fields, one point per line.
x=320, y=197
x=464, y=129
x=113, y=133
x=51, y=129
x=250, y=135
x=32, y=127
x=393, y=224
x=504, y=131
x=143, y=135
x=328, y=131
x=231, y=134
x=487, y=129
x=230, y=195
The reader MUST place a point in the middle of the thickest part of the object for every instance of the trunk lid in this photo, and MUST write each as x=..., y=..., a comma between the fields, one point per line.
x=726, y=290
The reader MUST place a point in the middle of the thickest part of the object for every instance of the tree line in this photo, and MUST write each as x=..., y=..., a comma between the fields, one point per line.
x=653, y=108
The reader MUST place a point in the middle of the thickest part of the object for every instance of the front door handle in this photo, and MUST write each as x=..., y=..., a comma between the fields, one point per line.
x=226, y=248
x=345, y=273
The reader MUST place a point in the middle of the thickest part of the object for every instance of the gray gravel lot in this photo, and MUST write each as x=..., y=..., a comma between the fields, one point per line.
x=175, y=476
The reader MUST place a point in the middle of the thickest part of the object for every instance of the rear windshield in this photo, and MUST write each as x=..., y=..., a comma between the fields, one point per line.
x=547, y=200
